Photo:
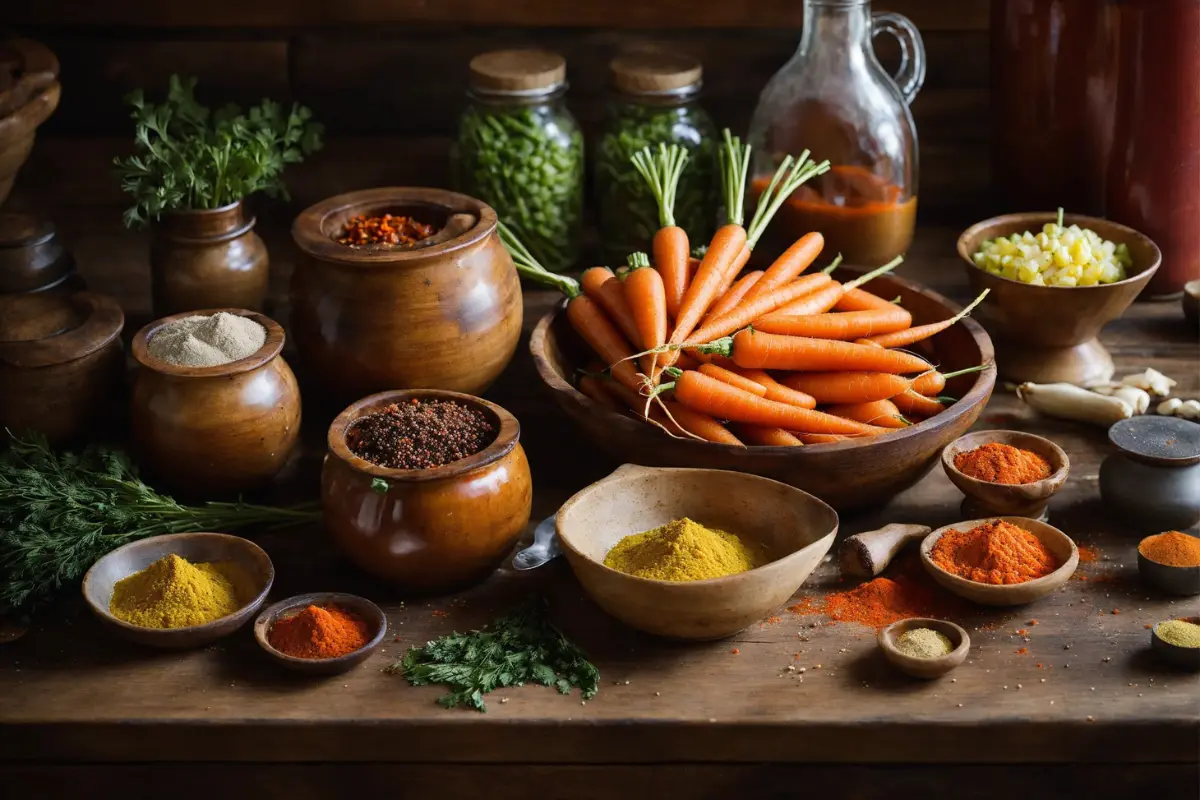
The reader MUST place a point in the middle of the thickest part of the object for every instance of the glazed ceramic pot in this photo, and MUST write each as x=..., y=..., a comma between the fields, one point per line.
x=60, y=362
x=369, y=319
x=32, y=256
x=207, y=258
x=215, y=431
x=1153, y=479
x=429, y=529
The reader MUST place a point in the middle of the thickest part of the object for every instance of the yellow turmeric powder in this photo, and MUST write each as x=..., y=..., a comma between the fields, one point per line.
x=174, y=593
x=682, y=550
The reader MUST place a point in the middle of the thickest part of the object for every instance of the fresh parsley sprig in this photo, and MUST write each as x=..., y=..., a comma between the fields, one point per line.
x=188, y=157
x=522, y=646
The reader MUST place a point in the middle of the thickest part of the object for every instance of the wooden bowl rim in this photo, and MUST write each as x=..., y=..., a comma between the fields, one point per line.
x=1042, y=217
x=1044, y=488
x=270, y=615
x=1035, y=527
x=271, y=348
x=985, y=381
x=629, y=471
x=246, y=608
x=307, y=230
x=507, y=436
x=887, y=636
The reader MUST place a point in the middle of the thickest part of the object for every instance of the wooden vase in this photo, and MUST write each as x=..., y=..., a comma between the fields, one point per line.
x=207, y=258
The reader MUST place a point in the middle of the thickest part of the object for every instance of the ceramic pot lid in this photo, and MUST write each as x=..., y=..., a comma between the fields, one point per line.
x=44, y=329
x=1167, y=441
x=26, y=68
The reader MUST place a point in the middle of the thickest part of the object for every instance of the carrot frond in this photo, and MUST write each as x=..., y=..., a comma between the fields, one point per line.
x=529, y=267
x=875, y=273
x=699, y=250
x=637, y=260
x=661, y=172
x=833, y=265
x=792, y=172
x=735, y=167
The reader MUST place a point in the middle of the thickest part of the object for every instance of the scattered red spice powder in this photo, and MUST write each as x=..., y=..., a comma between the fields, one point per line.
x=735, y=651
x=1022, y=651
x=1033, y=622
x=907, y=592
x=437, y=612
x=1022, y=632
x=1087, y=554
x=1116, y=611
x=1041, y=666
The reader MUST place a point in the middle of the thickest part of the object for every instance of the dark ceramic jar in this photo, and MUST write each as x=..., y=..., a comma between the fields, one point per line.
x=433, y=529
x=32, y=256
x=207, y=258
x=1153, y=479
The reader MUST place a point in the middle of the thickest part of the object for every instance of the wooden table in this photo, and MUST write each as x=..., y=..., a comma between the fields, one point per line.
x=1085, y=710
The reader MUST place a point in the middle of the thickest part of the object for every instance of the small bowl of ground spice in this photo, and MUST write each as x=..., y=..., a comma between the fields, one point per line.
x=1177, y=641
x=924, y=648
x=429, y=489
x=322, y=633
x=1005, y=473
x=180, y=590
x=1001, y=561
x=1171, y=562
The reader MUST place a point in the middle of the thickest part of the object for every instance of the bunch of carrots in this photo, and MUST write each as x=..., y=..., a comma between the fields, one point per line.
x=772, y=357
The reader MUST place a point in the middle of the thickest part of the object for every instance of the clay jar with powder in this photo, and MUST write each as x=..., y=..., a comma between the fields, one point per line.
x=209, y=432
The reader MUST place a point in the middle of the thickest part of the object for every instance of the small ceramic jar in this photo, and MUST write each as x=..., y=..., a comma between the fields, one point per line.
x=32, y=256
x=430, y=529
x=60, y=361
x=215, y=431
x=1153, y=480
x=207, y=258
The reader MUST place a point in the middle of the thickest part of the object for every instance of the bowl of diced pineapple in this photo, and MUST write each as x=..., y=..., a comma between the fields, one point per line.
x=1055, y=281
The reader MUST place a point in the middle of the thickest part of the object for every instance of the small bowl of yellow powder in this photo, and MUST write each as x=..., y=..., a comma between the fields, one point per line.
x=178, y=591
x=1177, y=641
x=924, y=648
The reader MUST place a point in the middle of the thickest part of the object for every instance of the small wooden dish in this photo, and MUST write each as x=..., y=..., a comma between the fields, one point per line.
x=1186, y=657
x=999, y=499
x=195, y=547
x=372, y=614
x=795, y=528
x=1014, y=594
x=926, y=668
x=1182, y=581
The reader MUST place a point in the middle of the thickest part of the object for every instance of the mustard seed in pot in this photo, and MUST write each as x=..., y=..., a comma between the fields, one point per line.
x=420, y=434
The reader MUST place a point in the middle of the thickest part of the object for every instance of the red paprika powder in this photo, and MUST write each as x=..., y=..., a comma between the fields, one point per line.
x=319, y=633
x=995, y=552
x=1002, y=463
x=908, y=592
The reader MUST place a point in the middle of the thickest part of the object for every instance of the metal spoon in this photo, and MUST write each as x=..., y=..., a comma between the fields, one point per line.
x=543, y=550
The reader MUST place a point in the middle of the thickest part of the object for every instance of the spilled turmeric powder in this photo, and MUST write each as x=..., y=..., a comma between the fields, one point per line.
x=683, y=550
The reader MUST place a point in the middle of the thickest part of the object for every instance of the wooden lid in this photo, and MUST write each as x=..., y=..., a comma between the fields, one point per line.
x=654, y=72
x=518, y=71
x=47, y=328
x=23, y=230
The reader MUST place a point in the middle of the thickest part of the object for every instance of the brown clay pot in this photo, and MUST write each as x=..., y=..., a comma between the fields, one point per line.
x=17, y=132
x=60, y=361
x=211, y=431
x=32, y=255
x=441, y=316
x=431, y=529
x=207, y=258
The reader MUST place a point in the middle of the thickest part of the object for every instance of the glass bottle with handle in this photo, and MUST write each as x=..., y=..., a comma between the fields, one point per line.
x=834, y=98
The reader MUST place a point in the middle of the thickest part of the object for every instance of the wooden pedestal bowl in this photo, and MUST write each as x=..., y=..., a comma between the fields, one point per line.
x=847, y=475
x=370, y=319
x=1046, y=334
x=1007, y=499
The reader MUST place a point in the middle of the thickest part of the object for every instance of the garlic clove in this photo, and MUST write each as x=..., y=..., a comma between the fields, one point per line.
x=1168, y=407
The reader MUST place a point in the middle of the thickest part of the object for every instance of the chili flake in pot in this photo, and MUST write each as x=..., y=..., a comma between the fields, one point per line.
x=389, y=229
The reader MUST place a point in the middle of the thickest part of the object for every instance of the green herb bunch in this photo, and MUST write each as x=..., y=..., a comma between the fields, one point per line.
x=522, y=646
x=191, y=158
x=60, y=512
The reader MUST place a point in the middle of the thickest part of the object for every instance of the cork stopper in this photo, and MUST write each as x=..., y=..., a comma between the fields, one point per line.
x=518, y=71
x=655, y=72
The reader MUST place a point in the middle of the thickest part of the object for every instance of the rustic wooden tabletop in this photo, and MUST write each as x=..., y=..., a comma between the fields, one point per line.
x=83, y=714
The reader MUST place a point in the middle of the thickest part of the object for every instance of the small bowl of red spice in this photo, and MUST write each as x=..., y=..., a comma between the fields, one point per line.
x=1000, y=561
x=322, y=633
x=1005, y=473
x=1170, y=562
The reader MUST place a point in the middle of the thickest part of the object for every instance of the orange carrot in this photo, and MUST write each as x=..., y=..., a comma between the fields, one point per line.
x=861, y=300
x=878, y=412
x=847, y=325
x=818, y=302
x=823, y=438
x=670, y=248
x=790, y=264
x=847, y=387
x=775, y=390
x=932, y=383
x=751, y=348
x=589, y=321
x=921, y=332
x=720, y=400
x=687, y=361
x=767, y=437
x=670, y=244
x=593, y=388
x=722, y=254
x=733, y=379
x=648, y=304
x=750, y=310
x=700, y=424
x=735, y=294
x=909, y=402
x=601, y=285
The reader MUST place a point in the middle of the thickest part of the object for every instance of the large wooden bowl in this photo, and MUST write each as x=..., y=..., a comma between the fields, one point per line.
x=1046, y=334
x=851, y=474
x=794, y=528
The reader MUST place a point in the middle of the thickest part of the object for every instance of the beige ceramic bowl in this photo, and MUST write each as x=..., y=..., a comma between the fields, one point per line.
x=795, y=528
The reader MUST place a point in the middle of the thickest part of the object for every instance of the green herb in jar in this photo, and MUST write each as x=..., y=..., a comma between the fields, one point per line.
x=656, y=103
x=520, y=150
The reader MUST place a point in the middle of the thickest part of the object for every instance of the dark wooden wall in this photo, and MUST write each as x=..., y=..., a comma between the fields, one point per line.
x=387, y=77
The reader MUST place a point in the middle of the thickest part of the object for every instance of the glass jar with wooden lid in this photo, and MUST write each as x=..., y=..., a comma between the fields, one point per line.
x=655, y=100
x=521, y=151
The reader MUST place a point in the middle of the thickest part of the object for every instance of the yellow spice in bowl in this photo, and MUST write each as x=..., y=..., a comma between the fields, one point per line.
x=682, y=550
